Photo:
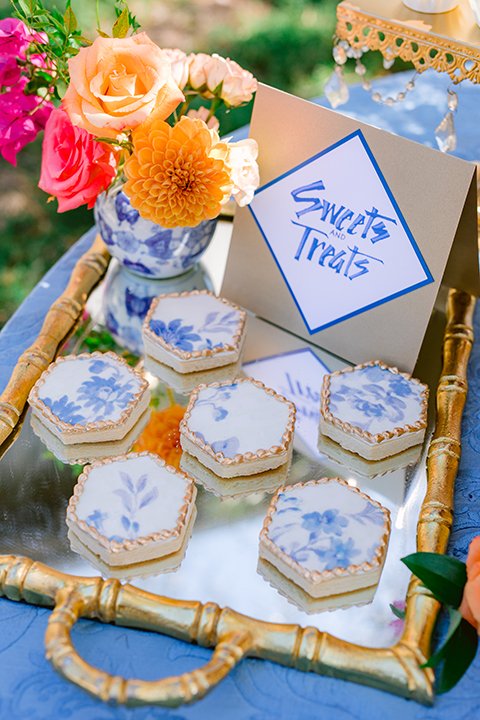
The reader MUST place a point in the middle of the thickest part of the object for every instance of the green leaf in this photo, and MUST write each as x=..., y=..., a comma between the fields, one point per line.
x=70, y=20
x=460, y=655
x=400, y=614
x=102, y=34
x=443, y=575
x=450, y=640
x=82, y=39
x=121, y=25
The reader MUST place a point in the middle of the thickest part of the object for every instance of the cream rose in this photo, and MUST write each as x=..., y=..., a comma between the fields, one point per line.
x=117, y=83
x=238, y=85
x=244, y=170
x=180, y=65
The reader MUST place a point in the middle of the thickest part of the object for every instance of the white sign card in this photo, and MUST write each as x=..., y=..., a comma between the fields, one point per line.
x=298, y=376
x=332, y=223
x=369, y=291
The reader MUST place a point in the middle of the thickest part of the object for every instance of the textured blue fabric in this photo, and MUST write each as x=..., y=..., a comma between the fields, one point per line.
x=256, y=690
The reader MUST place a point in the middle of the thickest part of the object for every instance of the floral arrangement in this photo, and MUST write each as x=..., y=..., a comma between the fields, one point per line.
x=457, y=585
x=119, y=107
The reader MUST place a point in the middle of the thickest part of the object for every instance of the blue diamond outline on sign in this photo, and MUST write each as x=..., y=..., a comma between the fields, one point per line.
x=427, y=279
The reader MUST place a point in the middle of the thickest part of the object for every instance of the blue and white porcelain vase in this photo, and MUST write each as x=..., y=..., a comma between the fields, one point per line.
x=143, y=247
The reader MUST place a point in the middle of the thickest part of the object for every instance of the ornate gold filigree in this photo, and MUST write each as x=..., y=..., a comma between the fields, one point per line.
x=411, y=40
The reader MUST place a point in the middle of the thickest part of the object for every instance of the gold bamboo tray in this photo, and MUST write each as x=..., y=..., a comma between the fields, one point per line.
x=448, y=42
x=234, y=635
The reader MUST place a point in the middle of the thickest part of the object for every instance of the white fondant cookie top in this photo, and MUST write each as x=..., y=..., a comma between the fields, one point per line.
x=239, y=417
x=85, y=389
x=130, y=497
x=195, y=322
x=376, y=399
x=325, y=524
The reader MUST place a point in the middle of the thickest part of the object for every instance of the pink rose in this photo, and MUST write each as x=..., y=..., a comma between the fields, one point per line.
x=202, y=114
x=238, y=85
x=470, y=607
x=244, y=170
x=18, y=124
x=117, y=83
x=180, y=65
x=15, y=37
x=75, y=168
x=9, y=70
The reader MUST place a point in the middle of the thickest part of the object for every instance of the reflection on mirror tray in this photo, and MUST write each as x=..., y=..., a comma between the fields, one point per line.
x=369, y=468
x=306, y=603
x=148, y=568
x=82, y=453
x=184, y=383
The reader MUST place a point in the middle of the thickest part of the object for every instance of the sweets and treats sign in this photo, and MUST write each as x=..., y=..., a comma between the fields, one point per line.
x=351, y=233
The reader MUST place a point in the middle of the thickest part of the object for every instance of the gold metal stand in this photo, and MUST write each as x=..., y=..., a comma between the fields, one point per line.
x=449, y=42
x=395, y=669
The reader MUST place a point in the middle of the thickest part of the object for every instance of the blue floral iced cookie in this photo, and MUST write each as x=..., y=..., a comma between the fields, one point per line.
x=193, y=331
x=89, y=398
x=373, y=410
x=238, y=428
x=130, y=510
x=326, y=537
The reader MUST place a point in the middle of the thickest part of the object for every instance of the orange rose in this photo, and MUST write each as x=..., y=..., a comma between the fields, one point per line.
x=470, y=607
x=117, y=83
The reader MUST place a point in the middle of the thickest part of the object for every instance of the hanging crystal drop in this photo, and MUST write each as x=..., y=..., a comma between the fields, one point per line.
x=410, y=85
x=336, y=89
x=360, y=68
x=366, y=85
x=400, y=97
x=389, y=102
x=452, y=100
x=445, y=134
x=387, y=64
x=339, y=55
x=376, y=97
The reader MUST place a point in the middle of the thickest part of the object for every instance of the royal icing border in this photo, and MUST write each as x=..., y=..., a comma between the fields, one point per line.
x=314, y=576
x=206, y=352
x=371, y=438
x=140, y=542
x=246, y=457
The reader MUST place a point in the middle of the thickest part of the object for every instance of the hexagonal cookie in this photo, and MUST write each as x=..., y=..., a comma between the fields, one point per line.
x=325, y=536
x=131, y=509
x=373, y=410
x=89, y=398
x=238, y=427
x=193, y=331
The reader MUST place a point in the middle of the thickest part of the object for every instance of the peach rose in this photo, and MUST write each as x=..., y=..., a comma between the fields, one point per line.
x=238, y=85
x=180, y=65
x=244, y=170
x=198, y=74
x=470, y=607
x=117, y=83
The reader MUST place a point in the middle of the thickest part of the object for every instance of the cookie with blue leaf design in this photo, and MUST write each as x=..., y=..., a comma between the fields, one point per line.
x=132, y=509
x=238, y=428
x=373, y=410
x=193, y=331
x=325, y=536
x=89, y=398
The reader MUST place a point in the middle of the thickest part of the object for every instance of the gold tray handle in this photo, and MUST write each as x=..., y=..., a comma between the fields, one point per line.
x=171, y=692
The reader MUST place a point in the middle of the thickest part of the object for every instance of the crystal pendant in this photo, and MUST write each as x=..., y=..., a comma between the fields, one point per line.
x=335, y=89
x=445, y=134
x=452, y=100
x=339, y=55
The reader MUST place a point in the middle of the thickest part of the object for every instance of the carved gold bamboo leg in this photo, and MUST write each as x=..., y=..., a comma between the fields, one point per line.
x=396, y=669
x=59, y=321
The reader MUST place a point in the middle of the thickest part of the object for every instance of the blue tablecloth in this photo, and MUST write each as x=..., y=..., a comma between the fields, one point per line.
x=255, y=690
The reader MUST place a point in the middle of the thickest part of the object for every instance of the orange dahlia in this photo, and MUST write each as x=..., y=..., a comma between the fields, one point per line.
x=162, y=435
x=177, y=176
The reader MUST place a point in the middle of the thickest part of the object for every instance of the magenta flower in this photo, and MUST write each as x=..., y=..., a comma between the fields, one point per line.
x=21, y=118
x=9, y=70
x=15, y=37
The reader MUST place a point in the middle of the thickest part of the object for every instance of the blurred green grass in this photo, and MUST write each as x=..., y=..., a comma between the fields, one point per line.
x=284, y=43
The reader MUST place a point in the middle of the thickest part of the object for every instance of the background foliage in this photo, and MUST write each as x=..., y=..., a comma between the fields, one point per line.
x=284, y=43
